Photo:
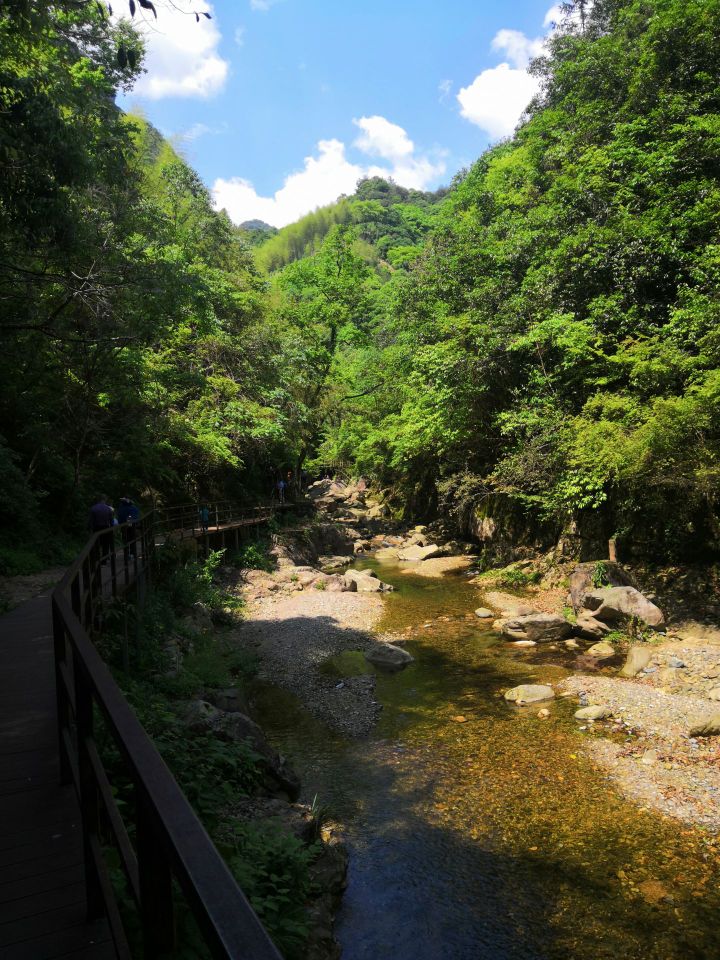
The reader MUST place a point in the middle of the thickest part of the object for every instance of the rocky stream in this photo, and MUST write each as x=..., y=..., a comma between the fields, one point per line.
x=483, y=822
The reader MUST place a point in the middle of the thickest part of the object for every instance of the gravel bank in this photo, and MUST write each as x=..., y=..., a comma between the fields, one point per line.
x=293, y=635
x=651, y=758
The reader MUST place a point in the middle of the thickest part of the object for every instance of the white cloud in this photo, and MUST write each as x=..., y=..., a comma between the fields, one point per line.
x=444, y=88
x=329, y=173
x=519, y=49
x=262, y=5
x=497, y=97
x=198, y=130
x=182, y=55
x=380, y=138
x=239, y=36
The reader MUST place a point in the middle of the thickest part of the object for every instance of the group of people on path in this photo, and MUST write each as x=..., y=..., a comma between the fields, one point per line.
x=285, y=484
x=103, y=518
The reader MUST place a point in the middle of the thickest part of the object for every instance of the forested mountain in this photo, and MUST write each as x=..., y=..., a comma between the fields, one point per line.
x=390, y=220
x=546, y=329
x=556, y=341
x=257, y=231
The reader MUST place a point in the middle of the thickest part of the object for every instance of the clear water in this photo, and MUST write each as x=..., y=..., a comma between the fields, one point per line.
x=493, y=837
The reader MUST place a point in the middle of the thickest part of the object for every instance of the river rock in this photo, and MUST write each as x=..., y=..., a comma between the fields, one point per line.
x=587, y=627
x=710, y=727
x=601, y=651
x=484, y=613
x=386, y=553
x=524, y=643
x=616, y=604
x=366, y=581
x=637, y=658
x=714, y=694
x=417, y=540
x=596, y=712
x=529, y=693
x=199, y=716
x=540, y=627
x=417, y=554
x=389, y=656
x=231, y=700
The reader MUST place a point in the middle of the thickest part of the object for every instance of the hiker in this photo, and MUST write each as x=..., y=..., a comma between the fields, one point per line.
x=101, y=519
x=204, y=515
x=127, y=516
x=281, y=485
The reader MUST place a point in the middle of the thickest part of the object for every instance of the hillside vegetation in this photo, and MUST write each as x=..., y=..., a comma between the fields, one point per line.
x=391, y=221
x=544, y=332
x=556, y=341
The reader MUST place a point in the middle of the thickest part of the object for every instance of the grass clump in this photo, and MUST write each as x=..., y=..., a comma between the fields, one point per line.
x=517, y=579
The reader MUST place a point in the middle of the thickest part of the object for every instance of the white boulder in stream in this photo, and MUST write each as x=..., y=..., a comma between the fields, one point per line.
x=389, y=656
x=416, y=554
x=366, y=581
x=595, y=712
x=529, y=693
x=540, y=627
x=637, y=658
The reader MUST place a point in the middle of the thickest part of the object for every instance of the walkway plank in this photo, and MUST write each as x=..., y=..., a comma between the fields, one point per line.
x=42, y=887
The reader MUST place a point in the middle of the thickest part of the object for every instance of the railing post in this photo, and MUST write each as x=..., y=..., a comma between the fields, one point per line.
x=63, y=706
x=89, y=807
x=113, y=562
x=156, y=893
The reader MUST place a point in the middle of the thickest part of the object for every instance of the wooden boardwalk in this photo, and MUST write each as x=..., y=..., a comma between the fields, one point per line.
x=42, y=888
x=42, y=885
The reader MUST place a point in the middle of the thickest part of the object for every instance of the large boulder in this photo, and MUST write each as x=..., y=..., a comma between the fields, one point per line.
x=617, y=604
x=199, y=716
x=539, y=627
x=388, y=656
x=529, y=693
x=585, y=575
x=417, y=554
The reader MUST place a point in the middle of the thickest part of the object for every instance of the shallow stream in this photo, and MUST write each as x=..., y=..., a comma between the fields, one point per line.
x=477, y=830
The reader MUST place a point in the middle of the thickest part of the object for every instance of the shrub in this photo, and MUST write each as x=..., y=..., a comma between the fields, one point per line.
x=272, y=868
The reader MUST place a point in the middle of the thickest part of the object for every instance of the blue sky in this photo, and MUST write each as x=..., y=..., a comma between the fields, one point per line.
x=281, y=105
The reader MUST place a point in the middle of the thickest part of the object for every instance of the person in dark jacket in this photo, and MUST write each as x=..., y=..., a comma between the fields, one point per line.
x=101, y=518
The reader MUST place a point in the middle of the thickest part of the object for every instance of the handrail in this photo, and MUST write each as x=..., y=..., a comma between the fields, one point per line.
x=170, y=842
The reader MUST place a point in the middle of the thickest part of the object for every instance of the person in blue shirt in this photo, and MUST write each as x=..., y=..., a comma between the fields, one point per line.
x=129, y=515
x=204, y=515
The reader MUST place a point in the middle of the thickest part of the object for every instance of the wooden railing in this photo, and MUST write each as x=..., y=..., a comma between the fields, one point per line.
x=166, y=844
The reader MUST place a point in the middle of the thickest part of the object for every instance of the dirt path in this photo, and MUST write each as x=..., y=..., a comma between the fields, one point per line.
x=16, y=590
